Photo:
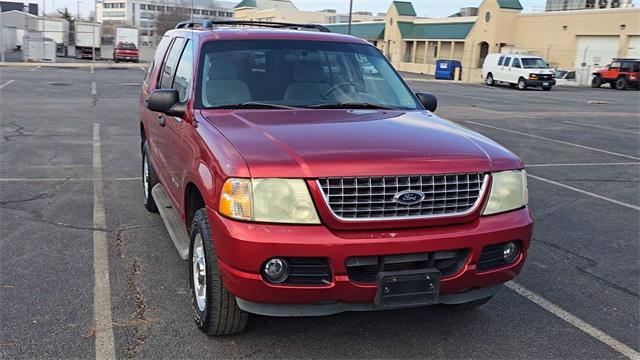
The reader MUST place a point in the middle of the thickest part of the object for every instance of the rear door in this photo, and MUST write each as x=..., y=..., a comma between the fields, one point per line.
x=148, y=85
x=163, y=127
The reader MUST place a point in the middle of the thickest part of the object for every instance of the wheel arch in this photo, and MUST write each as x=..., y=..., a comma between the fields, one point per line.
x=193, y=201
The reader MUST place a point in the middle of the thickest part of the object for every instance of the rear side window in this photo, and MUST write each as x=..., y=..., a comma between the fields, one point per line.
x=169, y=68
x=636, y=67
x=184, y=72
x=626, y=66
x=501, y=60
x=506, y=62
x=516, y=63
x=157, y=59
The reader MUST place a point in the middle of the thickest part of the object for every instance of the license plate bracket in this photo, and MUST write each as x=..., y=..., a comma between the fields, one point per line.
x=400, y=289
x=545, y=84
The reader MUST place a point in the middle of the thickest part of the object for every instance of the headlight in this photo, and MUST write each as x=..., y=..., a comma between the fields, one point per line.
x=508, y=192
x=268, y=200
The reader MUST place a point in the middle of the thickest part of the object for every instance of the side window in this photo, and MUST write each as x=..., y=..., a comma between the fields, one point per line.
x=626, y=66
x=615, y=65
x=157, y=58
x=506, y=62
x=516, y=63
x=184, y=72
x=501, y=61
x=168, y=70
x=635, y=67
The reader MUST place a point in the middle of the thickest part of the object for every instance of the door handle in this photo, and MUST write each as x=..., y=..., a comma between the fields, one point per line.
x=162, y=121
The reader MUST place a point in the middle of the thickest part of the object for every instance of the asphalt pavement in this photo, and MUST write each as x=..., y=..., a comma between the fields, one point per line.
x=577, y=297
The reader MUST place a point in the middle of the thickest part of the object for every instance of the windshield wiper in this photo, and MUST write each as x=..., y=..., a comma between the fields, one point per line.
x=251, y=105
x=349, y=105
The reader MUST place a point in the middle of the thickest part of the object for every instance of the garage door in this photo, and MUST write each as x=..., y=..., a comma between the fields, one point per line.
x=634, y=47
x=596, y=51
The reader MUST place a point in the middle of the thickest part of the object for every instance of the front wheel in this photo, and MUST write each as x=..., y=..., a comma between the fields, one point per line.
x=596, y=82
x=521, y=84
x=621, y=83
x=470, y=305
x=216, y=310
x=489, y=80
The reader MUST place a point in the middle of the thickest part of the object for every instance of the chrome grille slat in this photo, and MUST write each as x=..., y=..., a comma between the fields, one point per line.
x=372, y=198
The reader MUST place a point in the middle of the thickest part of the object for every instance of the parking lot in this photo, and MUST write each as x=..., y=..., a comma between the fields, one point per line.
x=69, y=181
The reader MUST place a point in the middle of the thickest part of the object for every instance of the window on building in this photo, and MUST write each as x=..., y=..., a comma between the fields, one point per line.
x=143, y=6
x=590, y=4
x=168, y=70
x=160, y=8
x=151, y=7
x=184, y=73
x=408, y=53
x=197, y=12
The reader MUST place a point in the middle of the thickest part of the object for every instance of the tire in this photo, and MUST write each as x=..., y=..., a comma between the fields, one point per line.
x=149, y=180
x=546, y=88
x=215, y=308
x=470, y=305
x=596, y=82
x=521, y=84
x=621, y=83
x=489, y=80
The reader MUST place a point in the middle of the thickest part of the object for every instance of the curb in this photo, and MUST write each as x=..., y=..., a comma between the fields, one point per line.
x=98, y=65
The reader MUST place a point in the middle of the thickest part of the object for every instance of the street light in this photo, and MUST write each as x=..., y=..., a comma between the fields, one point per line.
x=350, y=14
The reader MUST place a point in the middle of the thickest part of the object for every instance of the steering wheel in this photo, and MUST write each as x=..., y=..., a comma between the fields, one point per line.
x=337, y=86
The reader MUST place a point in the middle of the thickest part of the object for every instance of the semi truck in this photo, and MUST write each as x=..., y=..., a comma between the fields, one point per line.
x=88, y=39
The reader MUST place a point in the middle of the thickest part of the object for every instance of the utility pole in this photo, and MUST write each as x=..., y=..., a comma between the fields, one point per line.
x=350, y=14
x=2, y=49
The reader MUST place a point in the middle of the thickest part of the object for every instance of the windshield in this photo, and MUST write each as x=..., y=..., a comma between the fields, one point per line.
x=292, y=73
x=534, y=63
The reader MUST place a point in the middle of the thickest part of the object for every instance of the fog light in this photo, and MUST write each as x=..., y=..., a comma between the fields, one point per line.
x=510, y=252
x=276, y=270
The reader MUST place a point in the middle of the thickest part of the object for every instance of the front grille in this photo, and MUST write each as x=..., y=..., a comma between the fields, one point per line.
x=545, y=77
x=309, y=271
x=362, y=198
x=365, y=269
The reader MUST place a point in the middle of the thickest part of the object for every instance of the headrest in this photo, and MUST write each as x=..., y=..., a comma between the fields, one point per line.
x=224, y=69
x=308, y=71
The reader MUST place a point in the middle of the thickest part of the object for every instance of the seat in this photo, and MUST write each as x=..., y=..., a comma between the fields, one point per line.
x=308, y=82
x=222, y=85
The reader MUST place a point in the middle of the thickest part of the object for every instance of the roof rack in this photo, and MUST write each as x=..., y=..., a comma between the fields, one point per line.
x=207, y=24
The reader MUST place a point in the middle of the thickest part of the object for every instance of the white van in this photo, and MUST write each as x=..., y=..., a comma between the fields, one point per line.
x=518, y=70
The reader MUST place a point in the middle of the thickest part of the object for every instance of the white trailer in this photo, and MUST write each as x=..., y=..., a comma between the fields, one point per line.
x=88, y=39
x=58, y=30
x=126, y=35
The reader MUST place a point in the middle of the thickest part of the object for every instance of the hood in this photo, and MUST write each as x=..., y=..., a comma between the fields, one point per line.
x=325, y=143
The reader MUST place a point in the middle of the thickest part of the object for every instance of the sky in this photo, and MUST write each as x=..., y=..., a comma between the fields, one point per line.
x=430, y=8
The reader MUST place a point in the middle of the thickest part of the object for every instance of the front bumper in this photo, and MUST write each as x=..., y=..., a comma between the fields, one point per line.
x=539, y=83
x=243, y=247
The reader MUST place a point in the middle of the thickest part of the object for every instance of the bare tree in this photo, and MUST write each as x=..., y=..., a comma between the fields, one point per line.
x=169, y=15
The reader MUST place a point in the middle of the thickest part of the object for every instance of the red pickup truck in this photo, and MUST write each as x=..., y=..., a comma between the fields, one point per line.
x=299, y=176
x=125, y=51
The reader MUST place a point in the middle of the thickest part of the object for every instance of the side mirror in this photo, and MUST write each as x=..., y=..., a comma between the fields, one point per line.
x=166, y=101
x=429, y=101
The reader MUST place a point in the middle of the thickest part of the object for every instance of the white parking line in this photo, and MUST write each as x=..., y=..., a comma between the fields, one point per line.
x=142, y=68
x=35, y=68
x=556, y=141
x=104, y=343
x=94, y=89
x=583, y=164
x=637, y=208
x=574, y=320
x=92, y=71
x=6, y=83
x=635, y=132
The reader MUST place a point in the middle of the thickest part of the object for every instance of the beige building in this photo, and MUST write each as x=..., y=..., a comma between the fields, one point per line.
x=286, y=11
x=580, y=39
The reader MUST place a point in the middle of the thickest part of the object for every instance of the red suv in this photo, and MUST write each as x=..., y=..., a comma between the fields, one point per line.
x=620, y=74
x=300, y=176
x=125, y=51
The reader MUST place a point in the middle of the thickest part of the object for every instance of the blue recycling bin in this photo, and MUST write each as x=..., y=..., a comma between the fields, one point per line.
x=446, y=69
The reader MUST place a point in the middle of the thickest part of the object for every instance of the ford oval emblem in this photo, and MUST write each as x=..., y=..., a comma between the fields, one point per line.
x=409, y=197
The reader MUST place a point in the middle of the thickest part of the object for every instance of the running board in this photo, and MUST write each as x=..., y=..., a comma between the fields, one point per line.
x=172, y=221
